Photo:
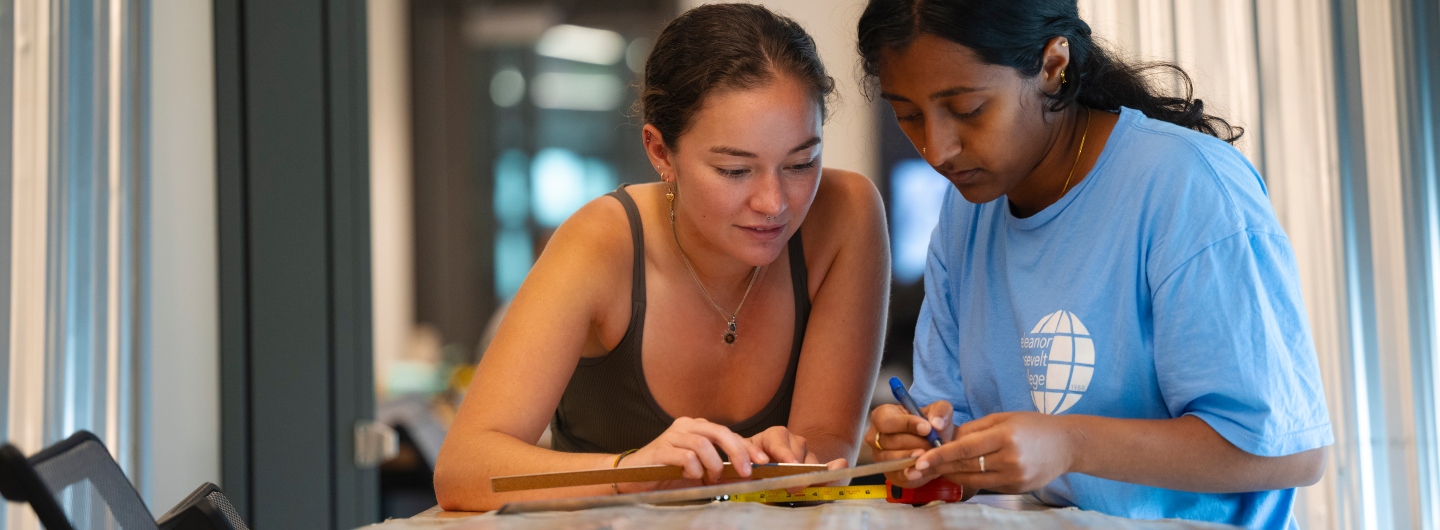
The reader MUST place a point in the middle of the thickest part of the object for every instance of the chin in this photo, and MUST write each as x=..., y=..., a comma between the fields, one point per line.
x=759, y=256
x=979, y=194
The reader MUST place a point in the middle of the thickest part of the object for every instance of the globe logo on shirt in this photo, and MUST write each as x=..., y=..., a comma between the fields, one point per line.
x=1059, y=358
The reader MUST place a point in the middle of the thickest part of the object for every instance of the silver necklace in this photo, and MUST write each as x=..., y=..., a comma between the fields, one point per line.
x=729, y=337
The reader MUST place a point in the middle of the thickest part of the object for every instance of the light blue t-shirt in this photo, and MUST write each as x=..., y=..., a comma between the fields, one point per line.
x=1161, y=285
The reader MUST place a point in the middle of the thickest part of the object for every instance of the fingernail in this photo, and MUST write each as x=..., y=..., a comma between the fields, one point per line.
x=922, y=465
x=917, y=452
x=939, y=423
x=912, y=474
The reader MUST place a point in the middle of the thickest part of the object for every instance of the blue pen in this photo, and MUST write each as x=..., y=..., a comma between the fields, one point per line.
x=908, y=402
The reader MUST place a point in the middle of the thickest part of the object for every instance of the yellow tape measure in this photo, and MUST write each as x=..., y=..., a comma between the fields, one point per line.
x=827, y=493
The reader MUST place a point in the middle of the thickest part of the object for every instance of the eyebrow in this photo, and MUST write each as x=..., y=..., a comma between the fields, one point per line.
x=952, y=91
x=746, y=154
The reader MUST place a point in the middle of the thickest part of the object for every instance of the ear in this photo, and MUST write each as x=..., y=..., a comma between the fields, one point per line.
x=658, y=152
x=1053, y=63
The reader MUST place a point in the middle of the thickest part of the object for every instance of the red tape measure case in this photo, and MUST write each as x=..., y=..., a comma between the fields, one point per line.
x=935, y=490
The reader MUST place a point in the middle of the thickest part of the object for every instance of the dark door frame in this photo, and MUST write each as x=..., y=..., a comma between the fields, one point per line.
x=293, y=191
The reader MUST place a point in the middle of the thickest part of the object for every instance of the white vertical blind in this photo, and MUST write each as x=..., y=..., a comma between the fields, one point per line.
x=76, y=214
x=1393, y=437
x=29, y=181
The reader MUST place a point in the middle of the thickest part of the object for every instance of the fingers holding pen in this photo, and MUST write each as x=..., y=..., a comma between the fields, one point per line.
x=937, y=416
x=894, y=431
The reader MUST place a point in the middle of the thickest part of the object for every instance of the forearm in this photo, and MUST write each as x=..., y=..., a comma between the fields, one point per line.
x=1183, y=453
x=827, y=446
x=464, y=469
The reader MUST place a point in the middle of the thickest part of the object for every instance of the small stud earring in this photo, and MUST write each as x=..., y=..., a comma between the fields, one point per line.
x=922, y=150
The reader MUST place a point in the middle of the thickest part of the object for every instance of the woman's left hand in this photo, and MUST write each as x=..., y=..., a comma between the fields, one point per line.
x=1023, y=451
x=785, y=447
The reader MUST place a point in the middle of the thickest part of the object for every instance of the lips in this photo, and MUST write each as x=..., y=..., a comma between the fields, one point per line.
x=764, y=232
x=961, y=177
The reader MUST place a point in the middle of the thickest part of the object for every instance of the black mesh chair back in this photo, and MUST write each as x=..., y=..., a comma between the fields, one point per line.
x=206, y=508
x=19, y=483
x=88, y=486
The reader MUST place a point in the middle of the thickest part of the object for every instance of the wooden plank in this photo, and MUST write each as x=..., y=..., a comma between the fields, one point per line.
x=703, y=492
x=636, y=474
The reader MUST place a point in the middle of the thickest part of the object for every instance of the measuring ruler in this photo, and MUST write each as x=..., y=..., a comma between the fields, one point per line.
x=826, y=493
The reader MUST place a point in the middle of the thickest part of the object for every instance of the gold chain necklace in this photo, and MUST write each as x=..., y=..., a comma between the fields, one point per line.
x=730, y=329
x=1083, y=134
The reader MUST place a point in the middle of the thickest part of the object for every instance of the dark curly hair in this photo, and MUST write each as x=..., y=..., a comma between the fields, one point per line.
x=733, y=46
x=1014, y=33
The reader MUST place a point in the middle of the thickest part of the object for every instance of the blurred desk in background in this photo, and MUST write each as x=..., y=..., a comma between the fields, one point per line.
x=1003, y=512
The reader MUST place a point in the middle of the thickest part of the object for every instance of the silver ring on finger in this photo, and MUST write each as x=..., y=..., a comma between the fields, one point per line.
x=982, y=463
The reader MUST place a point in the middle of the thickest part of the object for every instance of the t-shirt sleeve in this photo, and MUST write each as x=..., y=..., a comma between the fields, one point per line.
x=1233, y=346
x=936, y=363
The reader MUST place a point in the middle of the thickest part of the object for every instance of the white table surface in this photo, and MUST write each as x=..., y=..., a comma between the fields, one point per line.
x=984, y=511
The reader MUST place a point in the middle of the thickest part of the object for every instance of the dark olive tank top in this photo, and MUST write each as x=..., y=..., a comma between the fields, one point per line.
x=607, y=406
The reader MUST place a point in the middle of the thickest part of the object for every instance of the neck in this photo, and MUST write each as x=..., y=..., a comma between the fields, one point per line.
x=1045, y=184
x=725, y=277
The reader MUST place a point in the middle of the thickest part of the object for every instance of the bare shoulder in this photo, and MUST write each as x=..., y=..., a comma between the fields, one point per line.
x=846, y=219
x=595, y=226
x=596, y=238
x=847, y=204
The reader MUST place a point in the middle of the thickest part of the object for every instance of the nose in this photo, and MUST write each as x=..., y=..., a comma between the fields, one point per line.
x=768, y=196
x=940, y=143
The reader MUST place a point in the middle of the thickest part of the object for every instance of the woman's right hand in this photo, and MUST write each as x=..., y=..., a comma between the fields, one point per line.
x=695, y=445
x=902, y=435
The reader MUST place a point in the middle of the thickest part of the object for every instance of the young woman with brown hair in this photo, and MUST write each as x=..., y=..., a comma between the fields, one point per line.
x=696, y=296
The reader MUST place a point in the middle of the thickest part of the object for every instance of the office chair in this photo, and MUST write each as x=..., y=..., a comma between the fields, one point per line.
x=206, y=508
x=76, y=485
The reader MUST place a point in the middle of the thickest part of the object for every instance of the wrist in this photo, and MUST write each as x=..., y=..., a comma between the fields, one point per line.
x=1076, y=437
x=616, y=487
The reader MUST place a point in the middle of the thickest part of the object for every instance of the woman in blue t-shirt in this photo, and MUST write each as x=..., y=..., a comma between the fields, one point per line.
x=1112, y=315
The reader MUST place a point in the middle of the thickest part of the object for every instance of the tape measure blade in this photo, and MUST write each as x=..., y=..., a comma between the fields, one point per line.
x=826, y=493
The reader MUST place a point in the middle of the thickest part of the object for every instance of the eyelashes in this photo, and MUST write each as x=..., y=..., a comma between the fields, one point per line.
x=918, y=116
x=738, y=173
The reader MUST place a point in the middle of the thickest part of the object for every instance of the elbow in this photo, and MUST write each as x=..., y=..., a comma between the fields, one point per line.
x=1313, y=466
x=447, y=491
x=455, y=487
x=1293, y=471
